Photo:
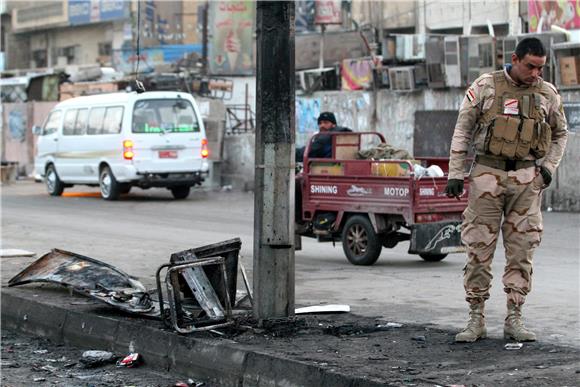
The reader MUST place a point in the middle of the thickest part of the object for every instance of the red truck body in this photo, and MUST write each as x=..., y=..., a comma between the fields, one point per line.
x=349, y=199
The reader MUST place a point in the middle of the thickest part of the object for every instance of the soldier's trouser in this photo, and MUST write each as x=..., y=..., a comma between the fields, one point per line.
x=515, y=196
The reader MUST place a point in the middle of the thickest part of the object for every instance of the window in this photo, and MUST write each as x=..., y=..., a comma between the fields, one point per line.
x=105, y=49
x=68, y=52
x=81, y=122
x=96, y=117
x=40, y=58
x=113, y=120
x=68, y=126
x=164, y=115
x=52, y=123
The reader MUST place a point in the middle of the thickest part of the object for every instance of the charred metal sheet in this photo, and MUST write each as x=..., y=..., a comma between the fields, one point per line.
x=200, y=278
x=182, y=319
x=89, y=277
x=200, y=286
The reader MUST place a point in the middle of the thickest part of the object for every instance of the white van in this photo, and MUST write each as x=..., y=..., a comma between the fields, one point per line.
x=123, y=140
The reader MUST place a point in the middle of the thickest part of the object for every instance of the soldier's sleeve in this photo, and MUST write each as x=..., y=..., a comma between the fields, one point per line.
x=462, y=135
x=557, y=121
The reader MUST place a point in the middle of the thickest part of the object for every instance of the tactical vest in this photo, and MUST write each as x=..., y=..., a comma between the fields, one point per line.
x=515, y=124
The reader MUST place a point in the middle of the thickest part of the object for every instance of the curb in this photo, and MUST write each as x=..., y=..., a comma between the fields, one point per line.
x=223, y=362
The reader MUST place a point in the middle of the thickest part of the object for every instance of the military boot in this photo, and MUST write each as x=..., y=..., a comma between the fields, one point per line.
x=475, y=326
x=514, y=326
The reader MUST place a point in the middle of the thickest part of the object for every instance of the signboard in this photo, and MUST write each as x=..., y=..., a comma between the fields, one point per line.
x=94, y=11
x=328, y=12
x=563, y=13
x=232, y=41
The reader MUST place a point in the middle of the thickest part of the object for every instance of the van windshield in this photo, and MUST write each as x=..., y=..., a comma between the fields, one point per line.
x=164, y=116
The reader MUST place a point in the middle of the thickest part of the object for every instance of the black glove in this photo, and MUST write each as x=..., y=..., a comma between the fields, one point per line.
x=546, y=175
x=454, y=188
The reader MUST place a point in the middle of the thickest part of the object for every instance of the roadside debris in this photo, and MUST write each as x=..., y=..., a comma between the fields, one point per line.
x=13, y=253
x=132, y=360
x=513, y=346
x=323, y=309
x=189, y=383
x=97, y=358
x=89, y=277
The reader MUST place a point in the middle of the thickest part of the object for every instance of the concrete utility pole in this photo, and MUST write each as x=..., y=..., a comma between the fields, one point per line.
x=274, y=193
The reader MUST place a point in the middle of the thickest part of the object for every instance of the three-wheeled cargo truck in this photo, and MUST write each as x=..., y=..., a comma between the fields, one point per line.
x=368, y=204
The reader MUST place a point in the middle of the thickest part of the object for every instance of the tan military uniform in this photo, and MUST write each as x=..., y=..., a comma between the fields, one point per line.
x=503, y=187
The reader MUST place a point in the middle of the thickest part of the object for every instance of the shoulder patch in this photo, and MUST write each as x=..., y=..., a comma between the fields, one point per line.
x=470, y=95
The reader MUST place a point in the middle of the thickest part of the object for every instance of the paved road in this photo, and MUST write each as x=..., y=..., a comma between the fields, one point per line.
x=139, y=232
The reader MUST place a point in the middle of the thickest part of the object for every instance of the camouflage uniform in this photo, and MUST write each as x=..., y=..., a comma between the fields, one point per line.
x=495, y=192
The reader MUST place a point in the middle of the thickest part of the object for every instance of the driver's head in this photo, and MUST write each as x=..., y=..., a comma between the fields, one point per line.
x=326, y=121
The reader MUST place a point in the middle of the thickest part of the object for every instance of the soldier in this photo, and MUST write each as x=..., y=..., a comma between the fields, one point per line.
x=515, y=122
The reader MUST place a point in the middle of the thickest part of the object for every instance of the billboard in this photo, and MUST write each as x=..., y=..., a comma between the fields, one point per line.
x=328, y=12
x=93, y=11
x=562, y=13
x=232, y=42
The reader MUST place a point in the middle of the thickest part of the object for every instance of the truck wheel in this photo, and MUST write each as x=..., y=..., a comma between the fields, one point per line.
x=360, y=243
x=110, y=188
x=54, y=185
x=433, y=257
x=180, y=192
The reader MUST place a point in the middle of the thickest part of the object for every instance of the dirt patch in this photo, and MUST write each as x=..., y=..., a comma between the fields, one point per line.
x=416, y=355
x=34, y=361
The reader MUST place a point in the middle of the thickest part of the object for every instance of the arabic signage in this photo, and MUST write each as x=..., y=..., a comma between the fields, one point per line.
x=328, y=12
x=93, y=11
x=562, y=13
x=232, y=42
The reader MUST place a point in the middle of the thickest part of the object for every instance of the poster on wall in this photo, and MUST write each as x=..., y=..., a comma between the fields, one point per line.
x=356, y=74
x=546, y=13
x=232, y=42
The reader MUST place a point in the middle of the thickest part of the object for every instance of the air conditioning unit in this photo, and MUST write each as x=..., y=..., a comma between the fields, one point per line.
x=435, y=59
x=410, y=47
x=481, y=56
x=402, y=78
x=452, y=61
x=389, y=48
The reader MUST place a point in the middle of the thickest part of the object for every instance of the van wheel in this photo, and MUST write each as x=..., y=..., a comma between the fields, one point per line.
x=53, y=183
x=110, y=188
x=433, y=257
x=180, y=192
x=360, y=243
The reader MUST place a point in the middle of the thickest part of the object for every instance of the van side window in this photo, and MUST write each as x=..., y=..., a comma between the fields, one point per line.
x=52, y=123
x=68, y=125
x=81, y=122
x=96, y=117
x=113, y=120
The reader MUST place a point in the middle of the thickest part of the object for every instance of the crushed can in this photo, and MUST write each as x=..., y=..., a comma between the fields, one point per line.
x=130, y=361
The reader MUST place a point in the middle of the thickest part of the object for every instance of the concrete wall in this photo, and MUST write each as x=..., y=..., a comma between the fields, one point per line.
x=18, y=142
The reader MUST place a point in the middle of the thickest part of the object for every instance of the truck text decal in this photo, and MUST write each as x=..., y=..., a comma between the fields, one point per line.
x=426, y=191
x=358, y=191
x=395, y=191
x=324, y=189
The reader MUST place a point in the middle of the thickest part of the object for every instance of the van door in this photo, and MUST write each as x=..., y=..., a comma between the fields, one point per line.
x=69, y=151
x=167, y=136
x=47, y=145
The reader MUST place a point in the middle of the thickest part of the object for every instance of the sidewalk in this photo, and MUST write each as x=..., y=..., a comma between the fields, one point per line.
x=325, y=350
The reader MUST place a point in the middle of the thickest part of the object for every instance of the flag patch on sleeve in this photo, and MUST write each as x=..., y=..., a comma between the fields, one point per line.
x=471, y=96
